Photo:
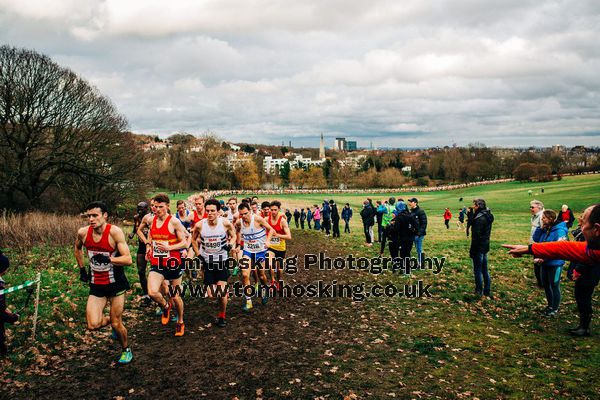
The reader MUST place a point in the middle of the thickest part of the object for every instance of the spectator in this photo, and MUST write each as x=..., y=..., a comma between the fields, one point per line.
x=367, y=215
x=566, y=215
x=347, y=216
x=552, y=230
x=379, y=211
x=421, y=218
x=302, y=217
x=447, y=218
x=537, y=208
x=481, y=229
x=388, y=215
x=470, y=214
x=326, y=217
x=461, y=218
x=309, y=217
x=335, y=219
x=5, y=316
x=317, y=217
x=288, y=215
x=401, y=233
x=296, y=217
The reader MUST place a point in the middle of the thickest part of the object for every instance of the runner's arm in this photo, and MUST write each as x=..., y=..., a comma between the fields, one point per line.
x=195, y=234
x=140, y=231
x=124, y=257
x=231, y=233
x=79, y=249
x=262, y=222
x=181, y=235
x=286, y=229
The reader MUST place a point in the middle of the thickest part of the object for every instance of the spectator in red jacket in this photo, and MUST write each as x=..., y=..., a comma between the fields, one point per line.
x=447, y=218
x=566, y=215
x=586, y=254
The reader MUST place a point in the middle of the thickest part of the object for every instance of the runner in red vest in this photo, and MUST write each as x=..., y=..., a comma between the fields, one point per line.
x=108, y=254
x=277, y=248
x=167, y=237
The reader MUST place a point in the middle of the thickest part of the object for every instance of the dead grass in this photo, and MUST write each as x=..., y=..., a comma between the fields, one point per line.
x=22, y=232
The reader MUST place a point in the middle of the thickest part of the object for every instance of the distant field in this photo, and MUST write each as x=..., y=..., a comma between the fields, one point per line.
x=508, y=201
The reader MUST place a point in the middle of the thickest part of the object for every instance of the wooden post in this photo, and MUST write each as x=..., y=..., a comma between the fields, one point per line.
x=37, y=302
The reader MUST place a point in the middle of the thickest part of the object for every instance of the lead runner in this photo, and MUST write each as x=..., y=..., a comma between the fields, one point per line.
x=108, y=253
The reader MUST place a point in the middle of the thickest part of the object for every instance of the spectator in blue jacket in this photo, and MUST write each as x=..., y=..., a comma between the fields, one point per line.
x=346, y=216
x=309, y=217
x=552, y=230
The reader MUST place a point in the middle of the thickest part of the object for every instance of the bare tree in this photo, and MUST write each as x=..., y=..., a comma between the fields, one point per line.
x=57, y=129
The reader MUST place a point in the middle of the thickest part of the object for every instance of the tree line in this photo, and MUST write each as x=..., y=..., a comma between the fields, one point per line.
x=64, y=144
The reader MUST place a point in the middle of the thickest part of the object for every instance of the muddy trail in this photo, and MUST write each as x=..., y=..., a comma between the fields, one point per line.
x=277, y=350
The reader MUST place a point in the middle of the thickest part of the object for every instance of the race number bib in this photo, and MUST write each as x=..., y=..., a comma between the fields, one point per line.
x=156, y=251
x=96, y=266
x=275, y=240
x=253, y=245
x=212, y=245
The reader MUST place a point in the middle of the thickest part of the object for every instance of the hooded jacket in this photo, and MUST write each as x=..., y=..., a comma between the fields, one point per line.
x=481, y=229
x=558, y=231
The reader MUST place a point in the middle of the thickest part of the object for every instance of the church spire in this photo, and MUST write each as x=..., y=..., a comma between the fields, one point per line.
x=322, y=147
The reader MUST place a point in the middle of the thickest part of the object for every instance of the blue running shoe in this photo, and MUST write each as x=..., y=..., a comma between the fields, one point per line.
x=126, y=356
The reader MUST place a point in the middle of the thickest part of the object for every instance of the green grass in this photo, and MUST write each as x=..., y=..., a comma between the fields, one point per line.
x=451, y=345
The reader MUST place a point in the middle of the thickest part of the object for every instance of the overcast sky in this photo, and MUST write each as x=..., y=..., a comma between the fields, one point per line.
x=395, y=73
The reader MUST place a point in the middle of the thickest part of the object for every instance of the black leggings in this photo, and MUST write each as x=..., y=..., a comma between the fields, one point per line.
x=142, y=264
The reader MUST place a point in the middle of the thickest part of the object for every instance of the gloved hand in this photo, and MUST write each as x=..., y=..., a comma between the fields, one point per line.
x=83, y=275
x=101, y=259
x=570, y=271
x=227, y=247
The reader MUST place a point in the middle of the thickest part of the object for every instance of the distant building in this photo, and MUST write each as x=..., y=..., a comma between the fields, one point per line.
x=236, y=159
x=352, y=162
x=340, y=144
x=351, y=145
x=406, y=170
x=272, y=165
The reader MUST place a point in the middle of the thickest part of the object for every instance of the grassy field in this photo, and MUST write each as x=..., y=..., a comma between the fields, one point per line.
x=453, y=345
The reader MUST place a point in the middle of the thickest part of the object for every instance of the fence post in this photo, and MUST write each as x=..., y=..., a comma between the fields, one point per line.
x=37, y=302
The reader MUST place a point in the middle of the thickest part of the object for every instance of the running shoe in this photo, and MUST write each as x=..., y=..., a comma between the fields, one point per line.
x=221, y=322
x=194, y=274
x=113, y=334
x=158, y=312
x=236, y=270
x=174, y=316
x=247, y=306
x=265, y=299
x=256, y=287
x=126, y=356
x=166, y=313
x=179, y=329
x=146, y=301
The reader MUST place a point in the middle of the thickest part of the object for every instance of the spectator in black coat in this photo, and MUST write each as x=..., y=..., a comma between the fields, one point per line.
x=335, y=219
x=421, y=218
x=481, y=229
x=401, y=234
x=367, y=214
x=302, y=217
x=5, y=316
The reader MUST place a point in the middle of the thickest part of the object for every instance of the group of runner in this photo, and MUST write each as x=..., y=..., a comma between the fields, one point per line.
x=213, y=235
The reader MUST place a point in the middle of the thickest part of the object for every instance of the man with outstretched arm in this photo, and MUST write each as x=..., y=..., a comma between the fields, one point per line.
x=108, y=254
x=586, y=254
